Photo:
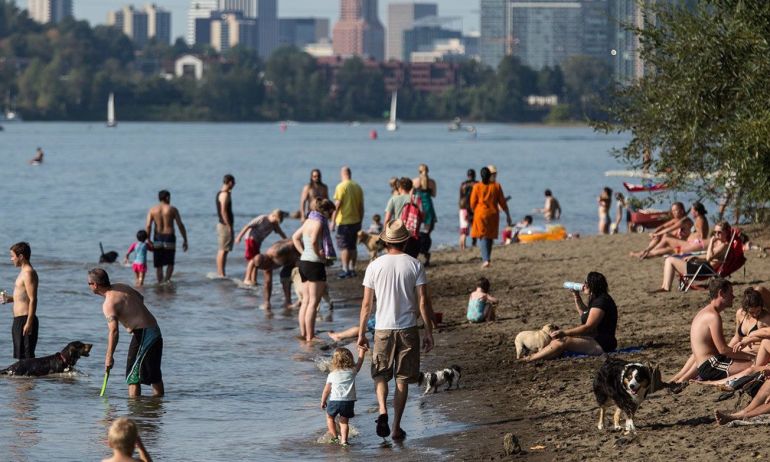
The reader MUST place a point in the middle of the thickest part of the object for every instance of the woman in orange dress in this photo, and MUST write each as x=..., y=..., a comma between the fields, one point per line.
x=486, y=197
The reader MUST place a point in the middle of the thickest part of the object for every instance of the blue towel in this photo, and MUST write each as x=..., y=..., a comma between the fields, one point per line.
x=621, y=351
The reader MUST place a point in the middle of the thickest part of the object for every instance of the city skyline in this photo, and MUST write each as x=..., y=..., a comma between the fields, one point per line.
x=95, y=11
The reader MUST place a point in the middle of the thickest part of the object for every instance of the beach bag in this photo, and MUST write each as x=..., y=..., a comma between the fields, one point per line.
x=412, y=216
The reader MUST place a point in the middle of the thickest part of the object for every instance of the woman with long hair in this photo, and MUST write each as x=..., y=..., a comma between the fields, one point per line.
x=486, y=199
x=425, y=188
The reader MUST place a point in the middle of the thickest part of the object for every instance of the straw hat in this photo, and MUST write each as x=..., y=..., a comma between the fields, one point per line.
x=492, y=169
x=394, y=233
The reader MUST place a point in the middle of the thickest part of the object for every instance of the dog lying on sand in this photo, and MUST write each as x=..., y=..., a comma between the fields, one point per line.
x=532, y=341
x=372, y=243
x=296, y=281
x=63, y=361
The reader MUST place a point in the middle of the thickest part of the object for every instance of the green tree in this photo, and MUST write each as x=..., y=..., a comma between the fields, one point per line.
x=361, y=91
x=700, y=110
x=587, y=82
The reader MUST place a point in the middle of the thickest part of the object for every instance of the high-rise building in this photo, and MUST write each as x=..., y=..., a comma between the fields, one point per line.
x=546, y=32
x=141, y=25
x=299, y=32
x=158, y=23
x=401, y=16
x=496, y=39
x=423, y=38
x=266, y=14
x=359, y=31
x=231, y=29
x=45, y=11
x=199, y=9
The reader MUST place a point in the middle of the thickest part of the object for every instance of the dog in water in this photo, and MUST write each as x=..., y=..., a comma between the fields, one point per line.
x=296, y=280
x=62, y=361
x=532, y=341
x=433, y=380
x=108, y=257
x=372, y=243
x=625, y=385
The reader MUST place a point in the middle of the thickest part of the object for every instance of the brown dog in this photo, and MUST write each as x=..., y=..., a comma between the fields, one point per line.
x=532, y=341
x=372, y=243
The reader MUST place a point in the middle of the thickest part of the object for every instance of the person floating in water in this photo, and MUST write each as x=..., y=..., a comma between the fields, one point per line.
x=38, y=159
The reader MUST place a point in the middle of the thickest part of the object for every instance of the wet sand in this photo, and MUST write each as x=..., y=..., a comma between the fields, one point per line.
x=549, y=406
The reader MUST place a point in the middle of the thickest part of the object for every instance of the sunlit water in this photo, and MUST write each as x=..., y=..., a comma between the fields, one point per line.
x=239, y=386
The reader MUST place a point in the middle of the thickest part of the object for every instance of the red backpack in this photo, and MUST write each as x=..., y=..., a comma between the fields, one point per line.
x=412, y=216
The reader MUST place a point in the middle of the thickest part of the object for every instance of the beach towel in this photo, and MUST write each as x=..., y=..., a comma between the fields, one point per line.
x=758, y=420
x=326, y=235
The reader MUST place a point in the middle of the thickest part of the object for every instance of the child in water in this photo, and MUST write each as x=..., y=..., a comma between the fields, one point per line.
x=376, y=226
x=141, y=246
x=481, y=304
x=123, y=437
x=340, y=392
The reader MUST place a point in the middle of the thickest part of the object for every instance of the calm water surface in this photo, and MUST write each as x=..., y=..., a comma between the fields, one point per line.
x=239, y=387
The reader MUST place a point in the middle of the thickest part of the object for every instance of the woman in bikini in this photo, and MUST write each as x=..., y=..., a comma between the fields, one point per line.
x=695, y=242
x=715, y=252
x=605, y=202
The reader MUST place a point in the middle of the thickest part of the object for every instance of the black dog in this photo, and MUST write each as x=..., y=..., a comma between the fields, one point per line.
x=108, y=257
x=59, y=362
x=625, y=385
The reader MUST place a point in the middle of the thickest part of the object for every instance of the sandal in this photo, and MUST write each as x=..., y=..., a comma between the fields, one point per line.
x=383, y=429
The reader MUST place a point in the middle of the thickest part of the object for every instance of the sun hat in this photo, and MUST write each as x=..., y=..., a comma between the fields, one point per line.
x=394, y=233
x=492, y=169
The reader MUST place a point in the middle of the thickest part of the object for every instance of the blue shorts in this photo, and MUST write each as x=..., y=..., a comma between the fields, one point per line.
x=347, y=235
x=342, y=408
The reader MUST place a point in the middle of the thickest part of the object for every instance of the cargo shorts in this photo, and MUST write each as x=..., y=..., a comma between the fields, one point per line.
x=396, y=353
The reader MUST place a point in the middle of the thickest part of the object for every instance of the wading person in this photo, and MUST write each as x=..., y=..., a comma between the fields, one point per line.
x=399, y=283
x=163, y=216
x=24, y=299
x=348, y=215
x=225, y=234
x=124, y=305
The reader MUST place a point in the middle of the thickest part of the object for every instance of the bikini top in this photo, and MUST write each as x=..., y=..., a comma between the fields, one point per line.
x=740, y=327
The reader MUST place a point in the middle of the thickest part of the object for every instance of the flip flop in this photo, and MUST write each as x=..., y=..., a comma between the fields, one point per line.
x=399, y=436
x=383, y=429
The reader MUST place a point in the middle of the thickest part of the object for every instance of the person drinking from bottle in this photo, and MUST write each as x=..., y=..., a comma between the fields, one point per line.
x=124, y=305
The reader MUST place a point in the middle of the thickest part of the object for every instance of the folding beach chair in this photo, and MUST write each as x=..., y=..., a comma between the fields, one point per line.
x=733, y=260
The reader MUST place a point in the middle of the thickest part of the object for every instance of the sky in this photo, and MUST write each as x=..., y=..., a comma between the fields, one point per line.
x=95, y=11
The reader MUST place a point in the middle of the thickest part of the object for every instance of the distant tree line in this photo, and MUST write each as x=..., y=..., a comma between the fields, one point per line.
x=66, y=71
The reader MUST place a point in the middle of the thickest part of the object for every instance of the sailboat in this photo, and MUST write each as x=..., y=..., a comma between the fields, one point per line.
x=111, y=111
x=392, y=124
x=10, y=114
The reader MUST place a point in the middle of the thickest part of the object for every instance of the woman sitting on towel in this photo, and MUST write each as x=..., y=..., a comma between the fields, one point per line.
x=715, y=252
x=598, y=321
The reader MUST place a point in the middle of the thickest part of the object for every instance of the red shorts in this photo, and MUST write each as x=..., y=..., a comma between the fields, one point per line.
x=252, y=249
x=139, y=268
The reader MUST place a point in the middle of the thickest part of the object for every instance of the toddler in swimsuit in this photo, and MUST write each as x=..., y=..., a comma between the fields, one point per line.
x=141, y=246
x=481, y=304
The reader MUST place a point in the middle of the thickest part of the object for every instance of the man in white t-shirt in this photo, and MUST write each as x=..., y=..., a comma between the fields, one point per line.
x=401, y=287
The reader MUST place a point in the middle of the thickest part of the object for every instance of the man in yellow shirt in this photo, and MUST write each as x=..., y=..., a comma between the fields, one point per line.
x=347, y=217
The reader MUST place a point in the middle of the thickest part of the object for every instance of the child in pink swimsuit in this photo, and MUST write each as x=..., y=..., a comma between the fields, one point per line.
x=141, y=246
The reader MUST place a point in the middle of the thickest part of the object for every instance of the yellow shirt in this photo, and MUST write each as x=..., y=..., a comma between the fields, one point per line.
x=351, y=198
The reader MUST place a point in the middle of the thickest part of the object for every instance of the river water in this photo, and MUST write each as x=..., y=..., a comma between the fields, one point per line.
x=239, y=387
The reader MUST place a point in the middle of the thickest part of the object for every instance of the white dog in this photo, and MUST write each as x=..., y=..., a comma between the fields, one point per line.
x=532, y=341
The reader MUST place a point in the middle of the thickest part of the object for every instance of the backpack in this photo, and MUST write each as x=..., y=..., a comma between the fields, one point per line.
x=412, y=216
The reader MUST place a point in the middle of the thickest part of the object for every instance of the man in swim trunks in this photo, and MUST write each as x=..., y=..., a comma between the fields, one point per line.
x=124, y=305
x=347, y=217
x=24, y=299
x=714, y=359
x=281, y=254
x=164, y=215
x=225, y=234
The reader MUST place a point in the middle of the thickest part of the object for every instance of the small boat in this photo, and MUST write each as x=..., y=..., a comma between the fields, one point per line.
x=111, y=111
x=631, y=174
x=645, y=187
x=456, y=124
x=392, y=124
x=648, y=219
x=10, y=114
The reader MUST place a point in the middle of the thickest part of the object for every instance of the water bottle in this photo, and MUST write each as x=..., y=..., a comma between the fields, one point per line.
x=3, y=295
x=576, y=286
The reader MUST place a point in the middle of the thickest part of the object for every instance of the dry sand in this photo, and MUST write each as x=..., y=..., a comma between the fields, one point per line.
x=549, y=406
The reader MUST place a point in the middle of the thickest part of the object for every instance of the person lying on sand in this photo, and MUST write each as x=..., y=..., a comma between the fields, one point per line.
x=673, y=227
x=599, y=319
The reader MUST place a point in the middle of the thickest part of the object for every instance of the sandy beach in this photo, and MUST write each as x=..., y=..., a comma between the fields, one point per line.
x=549, y=406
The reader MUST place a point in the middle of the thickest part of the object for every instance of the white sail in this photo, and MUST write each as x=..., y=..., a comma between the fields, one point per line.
x=392, y=124
x=111, y=111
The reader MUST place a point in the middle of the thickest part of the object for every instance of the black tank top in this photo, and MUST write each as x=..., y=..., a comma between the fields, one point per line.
x=228, y=209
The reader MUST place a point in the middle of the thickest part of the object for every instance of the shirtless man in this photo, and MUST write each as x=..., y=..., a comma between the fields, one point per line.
x=124, y=305
x=225, y=234
x=712, y=358
x=164, y=215
x=281, y=254
x=314, y=189
x=551, y=209
x=24, y=299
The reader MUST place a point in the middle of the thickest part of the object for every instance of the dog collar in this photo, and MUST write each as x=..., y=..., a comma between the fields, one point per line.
x=63, y=359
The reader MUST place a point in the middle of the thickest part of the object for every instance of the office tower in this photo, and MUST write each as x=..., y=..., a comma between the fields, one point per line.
x=401, y=16
x=266, y=14
x=132, y=22
x=45, y=11
x=546, y=32
x=231, y=29
x=359, y=31
x=496, y=40
x=299, y=32
x=158, y=24
x=199, y=9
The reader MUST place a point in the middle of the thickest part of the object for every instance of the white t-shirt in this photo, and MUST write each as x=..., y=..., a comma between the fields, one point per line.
x=394, y=279
x=343, y=385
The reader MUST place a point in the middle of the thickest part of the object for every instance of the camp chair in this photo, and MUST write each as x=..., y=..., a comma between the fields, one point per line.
x=733, y=260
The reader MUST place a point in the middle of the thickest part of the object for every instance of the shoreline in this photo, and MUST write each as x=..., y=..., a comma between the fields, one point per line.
x=549, y=406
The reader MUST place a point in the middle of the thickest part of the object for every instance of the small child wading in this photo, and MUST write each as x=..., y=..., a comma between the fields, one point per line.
x=481, y=304
x=123, y=438
x=340, y=391
x=141, y=246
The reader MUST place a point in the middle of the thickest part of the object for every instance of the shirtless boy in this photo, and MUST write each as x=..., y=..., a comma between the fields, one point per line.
x=124, y=305
x=24, y=299
x=713, y=358
x=164, y=215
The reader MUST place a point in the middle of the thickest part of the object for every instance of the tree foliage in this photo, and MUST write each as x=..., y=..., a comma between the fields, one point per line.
x=701, y=110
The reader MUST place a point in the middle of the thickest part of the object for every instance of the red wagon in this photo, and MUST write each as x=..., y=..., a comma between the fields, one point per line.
x=648, y=219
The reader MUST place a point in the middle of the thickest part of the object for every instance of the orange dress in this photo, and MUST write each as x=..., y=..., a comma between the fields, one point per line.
x=485, y=199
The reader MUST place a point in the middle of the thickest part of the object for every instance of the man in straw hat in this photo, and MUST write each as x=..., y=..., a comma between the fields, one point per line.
x=399, y=283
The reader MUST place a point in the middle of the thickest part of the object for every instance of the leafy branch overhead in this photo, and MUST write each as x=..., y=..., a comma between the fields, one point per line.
x=701, y=110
